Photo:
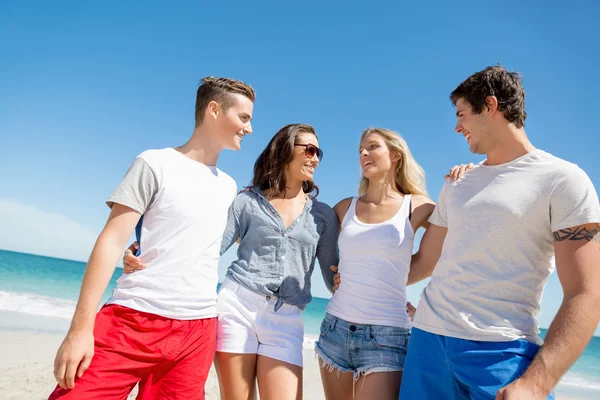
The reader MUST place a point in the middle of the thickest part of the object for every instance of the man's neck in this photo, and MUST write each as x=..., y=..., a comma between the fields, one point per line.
x=201, y=148
x=512, y=145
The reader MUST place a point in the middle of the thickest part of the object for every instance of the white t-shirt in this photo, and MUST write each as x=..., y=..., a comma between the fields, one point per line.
x=184, y=205
x=499, y=250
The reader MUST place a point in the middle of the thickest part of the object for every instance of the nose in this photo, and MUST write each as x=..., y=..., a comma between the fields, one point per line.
x=248, y=128
x=458, y=128
x=364, y=153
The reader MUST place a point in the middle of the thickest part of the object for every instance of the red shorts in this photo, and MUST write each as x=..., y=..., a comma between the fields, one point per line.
x=169, y=358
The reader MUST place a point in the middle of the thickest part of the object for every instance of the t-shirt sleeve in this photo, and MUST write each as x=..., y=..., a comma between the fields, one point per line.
x=138, y=188
x=574, y=200
x=439, y=216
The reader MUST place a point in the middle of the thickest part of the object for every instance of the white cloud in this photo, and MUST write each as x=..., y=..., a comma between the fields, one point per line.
x=28, y=229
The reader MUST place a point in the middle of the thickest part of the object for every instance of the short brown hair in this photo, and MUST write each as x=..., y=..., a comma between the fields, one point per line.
x=494, y=81
x=269, y=169
x=219, y=90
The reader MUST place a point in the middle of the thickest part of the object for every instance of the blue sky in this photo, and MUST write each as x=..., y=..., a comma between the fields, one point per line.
x=85, y=87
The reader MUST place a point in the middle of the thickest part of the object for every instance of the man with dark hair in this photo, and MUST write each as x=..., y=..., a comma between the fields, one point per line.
x=492, y=240
x=159, y=327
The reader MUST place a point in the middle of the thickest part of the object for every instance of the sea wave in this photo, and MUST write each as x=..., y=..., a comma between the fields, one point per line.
x=578, y=380
x=34, y=304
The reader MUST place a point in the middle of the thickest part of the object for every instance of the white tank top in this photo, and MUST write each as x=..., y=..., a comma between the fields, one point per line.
x=374, y=266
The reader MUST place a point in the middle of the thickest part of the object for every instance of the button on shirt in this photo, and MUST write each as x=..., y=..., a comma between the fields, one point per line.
x=273, y=260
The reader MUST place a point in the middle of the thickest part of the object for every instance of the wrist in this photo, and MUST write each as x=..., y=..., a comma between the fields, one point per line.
x=538, y=381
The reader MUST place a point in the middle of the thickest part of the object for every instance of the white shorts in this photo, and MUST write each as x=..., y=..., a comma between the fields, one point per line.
x=249, y=324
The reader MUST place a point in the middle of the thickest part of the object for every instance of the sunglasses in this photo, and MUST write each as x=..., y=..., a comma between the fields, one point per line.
x=310, y=150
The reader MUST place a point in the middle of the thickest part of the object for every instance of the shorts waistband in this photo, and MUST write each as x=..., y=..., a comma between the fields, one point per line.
x=257, y=298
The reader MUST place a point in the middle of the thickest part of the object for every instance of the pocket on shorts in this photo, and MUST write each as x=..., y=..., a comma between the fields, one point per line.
x=397, y=343
x=327, y=326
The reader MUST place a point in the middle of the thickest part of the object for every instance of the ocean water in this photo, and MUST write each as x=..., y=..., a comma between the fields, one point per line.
x=40, y=293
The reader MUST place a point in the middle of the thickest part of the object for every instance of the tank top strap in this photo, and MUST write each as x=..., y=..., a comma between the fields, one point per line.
x=407, y=205
x=351, y=212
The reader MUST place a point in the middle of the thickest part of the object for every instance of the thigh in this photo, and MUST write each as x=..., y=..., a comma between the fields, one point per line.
x=118, y=363
x=486, y=367
x=237, y=375
x=336, y=384
x=378, y=385
x=278, y=380
x=426, y=375
x=183, y=375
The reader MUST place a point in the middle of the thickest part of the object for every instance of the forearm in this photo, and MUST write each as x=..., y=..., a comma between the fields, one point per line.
x=420, y=269
x=567, y=336
x=98, y=272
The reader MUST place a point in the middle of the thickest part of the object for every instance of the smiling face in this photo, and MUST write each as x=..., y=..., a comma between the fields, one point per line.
x=302, y=167
x=375, y=157
x=233, y=123
x=475, y=128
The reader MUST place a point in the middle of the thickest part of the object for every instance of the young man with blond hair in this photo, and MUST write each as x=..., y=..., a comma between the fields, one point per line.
x=159, y=327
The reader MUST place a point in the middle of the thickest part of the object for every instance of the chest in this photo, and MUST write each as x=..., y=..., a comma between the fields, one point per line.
x=288, y=211
x=370, y=213
x=512, y=200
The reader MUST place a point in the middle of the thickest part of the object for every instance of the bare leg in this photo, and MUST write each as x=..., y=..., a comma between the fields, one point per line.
x=237, y=375
x=278, y=380
x=336, y=385
x=378, y=385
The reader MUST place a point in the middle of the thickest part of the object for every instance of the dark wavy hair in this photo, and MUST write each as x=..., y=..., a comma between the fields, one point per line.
x=494, y=81
x=269, y=168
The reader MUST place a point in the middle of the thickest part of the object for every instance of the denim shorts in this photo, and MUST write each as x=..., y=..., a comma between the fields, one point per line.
x=361, y=349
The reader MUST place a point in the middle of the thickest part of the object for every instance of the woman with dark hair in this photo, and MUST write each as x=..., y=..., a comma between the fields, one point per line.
x=282, y=229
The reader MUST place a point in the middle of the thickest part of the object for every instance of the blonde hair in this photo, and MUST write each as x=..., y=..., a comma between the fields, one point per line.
x=409, y=176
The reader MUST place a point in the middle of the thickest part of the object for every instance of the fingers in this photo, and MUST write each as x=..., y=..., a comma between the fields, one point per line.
x=70, y=374
x=59, y=372
x=87, y=360
x=131, y=263
x=334, y=268
x=336, y=282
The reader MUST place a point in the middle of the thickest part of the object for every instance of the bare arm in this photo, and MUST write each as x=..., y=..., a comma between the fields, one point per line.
x=430, y=248
x=77, y=348
x=578, y=266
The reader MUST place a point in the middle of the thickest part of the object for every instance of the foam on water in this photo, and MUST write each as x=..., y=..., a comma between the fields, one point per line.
x=34, y=304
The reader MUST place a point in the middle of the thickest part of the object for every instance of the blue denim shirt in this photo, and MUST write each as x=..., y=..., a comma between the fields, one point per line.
x=274, y=261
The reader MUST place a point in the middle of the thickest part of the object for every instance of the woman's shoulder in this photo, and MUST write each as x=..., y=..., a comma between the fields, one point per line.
x=421, y=200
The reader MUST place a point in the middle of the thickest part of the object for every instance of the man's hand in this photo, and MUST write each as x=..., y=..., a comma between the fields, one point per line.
x=73, y=358
x=336, y=278
x=521, y=390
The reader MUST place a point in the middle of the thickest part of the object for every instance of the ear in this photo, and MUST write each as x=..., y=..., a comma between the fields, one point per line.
x=396, y=157
x=213, y=109
x=491, y=102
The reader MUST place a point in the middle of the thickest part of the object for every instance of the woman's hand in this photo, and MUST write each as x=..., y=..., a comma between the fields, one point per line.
x=131, y=263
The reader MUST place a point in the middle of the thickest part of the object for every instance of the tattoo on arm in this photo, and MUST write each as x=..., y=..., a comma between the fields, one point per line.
x=579, y=233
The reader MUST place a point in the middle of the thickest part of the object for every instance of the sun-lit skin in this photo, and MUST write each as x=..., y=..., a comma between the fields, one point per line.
x=376, y=161
x=475, y=128
x=302, y=168
x=235, y=122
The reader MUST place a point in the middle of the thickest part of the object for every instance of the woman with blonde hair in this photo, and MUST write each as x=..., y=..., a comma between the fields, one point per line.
x=365, y=333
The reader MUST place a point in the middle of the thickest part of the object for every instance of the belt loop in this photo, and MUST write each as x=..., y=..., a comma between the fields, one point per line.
x=368, y=333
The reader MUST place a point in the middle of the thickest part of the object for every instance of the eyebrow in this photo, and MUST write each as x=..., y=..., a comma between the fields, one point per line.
x=368, y=143
x=246, y=115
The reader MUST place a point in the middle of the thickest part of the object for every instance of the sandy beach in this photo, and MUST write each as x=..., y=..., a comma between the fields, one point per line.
x=27, y=357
